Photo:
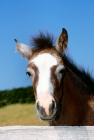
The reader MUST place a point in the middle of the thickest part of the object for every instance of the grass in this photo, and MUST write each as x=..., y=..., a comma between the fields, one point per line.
x=20, y=114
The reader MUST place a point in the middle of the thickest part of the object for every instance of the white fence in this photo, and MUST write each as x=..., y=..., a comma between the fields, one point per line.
x=46, y=133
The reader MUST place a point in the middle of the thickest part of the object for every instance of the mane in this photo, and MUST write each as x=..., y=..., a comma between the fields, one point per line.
x=85, y=76
x=42, y=41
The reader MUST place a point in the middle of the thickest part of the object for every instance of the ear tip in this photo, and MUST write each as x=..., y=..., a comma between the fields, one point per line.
x=16, y=40
x=64, y=30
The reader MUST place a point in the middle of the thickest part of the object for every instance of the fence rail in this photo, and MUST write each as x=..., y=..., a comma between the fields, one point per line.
x=46, y=133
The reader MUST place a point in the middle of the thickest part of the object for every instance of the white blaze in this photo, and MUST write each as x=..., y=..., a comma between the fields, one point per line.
x=44, y=62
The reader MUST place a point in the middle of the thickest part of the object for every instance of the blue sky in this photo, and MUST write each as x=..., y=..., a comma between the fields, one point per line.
x=23, y=18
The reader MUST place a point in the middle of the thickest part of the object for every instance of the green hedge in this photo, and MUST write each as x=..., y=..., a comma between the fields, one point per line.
x=19, y=95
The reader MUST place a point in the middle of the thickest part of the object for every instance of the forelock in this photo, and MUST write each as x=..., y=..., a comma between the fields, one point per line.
x=42, y=41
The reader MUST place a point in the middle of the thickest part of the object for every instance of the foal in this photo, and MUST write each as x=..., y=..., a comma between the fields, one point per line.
x=64, y=94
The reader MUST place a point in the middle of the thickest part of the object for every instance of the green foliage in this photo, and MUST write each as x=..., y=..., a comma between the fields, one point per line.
x=19, y=95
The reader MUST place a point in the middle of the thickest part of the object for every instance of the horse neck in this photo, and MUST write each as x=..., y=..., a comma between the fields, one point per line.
x=74, y=90
x=74, y=101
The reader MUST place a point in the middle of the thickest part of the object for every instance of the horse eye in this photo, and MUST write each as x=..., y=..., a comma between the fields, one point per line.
x=61, y=71
x=28, y=73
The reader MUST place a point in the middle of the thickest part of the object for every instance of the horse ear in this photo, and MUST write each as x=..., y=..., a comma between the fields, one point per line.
x=25, y=50
x=62, y=41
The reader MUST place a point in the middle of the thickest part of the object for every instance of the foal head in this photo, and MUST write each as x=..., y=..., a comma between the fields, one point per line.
x=45, y=69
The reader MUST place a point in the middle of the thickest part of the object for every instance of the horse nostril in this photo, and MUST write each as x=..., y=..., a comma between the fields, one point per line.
x=38, y=105
x=40, y=109
x=52, y=107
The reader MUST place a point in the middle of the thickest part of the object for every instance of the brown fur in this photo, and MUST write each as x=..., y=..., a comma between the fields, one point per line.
x=31, y=65
x=73, y=101
x=75, y=110
x=74, y=95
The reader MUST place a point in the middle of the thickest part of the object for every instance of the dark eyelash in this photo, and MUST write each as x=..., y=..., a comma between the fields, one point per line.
x=28, y=73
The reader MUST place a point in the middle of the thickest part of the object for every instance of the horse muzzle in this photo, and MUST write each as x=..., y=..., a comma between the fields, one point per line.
x=47, y=112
